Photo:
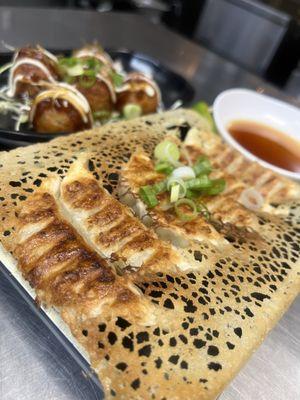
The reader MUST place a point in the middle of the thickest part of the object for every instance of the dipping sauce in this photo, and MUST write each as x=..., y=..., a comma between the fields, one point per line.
x=267, y=143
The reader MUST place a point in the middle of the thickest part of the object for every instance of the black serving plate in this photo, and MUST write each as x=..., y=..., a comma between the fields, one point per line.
x=173, y=87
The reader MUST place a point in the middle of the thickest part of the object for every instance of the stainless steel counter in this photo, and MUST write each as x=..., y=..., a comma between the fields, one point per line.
x=33, y=363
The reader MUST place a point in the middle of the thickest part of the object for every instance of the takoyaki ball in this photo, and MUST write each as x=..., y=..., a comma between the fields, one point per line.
x=94, y=51
x=31, y=66
x=141, y=90
x=60, y=109
x=99, y=92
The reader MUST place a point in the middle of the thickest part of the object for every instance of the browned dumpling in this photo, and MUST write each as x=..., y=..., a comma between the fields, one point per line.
x=60, y=108
x=141, y=90
x=31, y=67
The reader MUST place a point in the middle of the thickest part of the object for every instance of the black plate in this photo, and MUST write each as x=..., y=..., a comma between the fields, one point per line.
x=173, y=87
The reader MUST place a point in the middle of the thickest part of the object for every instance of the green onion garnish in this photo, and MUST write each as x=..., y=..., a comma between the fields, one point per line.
x=175, y=190
x=93, y=63
x=101, y=114
x=184, y=172
x=217, y=186
x=202, y=166
x=160, y=187
x=191, y=194
x=87, y=81
x=183, y=215
x=132, y=111
x=68, y=61
x=167, y=151
x=117, y=79
x=184, y=184
x=76, y=70
x=177, y=181
x=69, y=79
x=202, y=108
x=148, y=196
x=164, y=167
x=202, y=182
x=202, y=209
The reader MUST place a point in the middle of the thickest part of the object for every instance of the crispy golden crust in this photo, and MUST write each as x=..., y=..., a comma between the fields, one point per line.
x=172, y=335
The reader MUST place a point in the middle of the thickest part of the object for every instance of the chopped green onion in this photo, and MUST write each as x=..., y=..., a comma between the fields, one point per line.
x=177, y=181
x=201, y=208
x=89, y=73
x=159, y=187
x=69, y=79
x=148, y=196
x=203, y=182
x=184, y=173
x=202, y=166
x=101, y=114
x=76, y=70
x=68, y=61
x=93, y=63
x=117, y=79
x=174, y=193
x=183, y=215
x=167, y=151
x=191, y=194
x=164, y=167
x=202, y=108
x=217, y=186
x=132, y=111
x=86, y=81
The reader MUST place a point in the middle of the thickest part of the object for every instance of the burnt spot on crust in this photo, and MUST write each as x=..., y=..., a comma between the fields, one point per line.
x=127, y=343
x=121, y=366
x=212, y=351
x=214, y=366
x=238, y=331
x=122, y=323
x=145, y=351
x=136, y=383
x=142, y=337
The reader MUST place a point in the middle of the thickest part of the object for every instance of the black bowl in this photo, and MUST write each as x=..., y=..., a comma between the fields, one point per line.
x=173, y=87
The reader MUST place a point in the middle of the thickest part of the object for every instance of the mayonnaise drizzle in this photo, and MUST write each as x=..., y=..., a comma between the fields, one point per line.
x=13, y=79
x=109, y=86
x=65, y=92
x=47, y=53
x=149, y=89
x=104, y=58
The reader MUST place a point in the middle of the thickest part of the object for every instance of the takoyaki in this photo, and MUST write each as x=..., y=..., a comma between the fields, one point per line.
x=31, y=67
x=61, y=108
x=140, y=90
x=98, y=90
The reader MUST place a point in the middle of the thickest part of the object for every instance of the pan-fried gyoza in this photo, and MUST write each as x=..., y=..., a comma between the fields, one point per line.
x=234, y=204
x=110, y=226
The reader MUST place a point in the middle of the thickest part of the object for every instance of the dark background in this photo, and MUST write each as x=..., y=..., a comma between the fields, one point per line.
x=262, y=36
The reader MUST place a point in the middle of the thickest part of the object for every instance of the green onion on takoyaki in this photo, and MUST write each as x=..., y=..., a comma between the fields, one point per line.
x=140, y=90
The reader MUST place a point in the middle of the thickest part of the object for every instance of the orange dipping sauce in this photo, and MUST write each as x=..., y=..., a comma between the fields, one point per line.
x=267, y=143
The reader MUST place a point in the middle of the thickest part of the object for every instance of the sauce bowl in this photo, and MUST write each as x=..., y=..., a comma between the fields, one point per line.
x=243, y=104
